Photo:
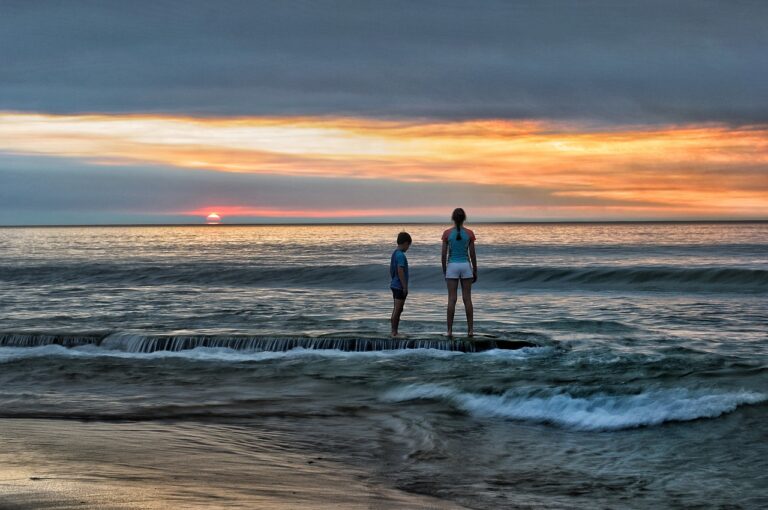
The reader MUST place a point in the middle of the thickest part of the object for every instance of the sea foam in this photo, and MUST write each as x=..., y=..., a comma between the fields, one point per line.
x=220, y=354
x=595, y=412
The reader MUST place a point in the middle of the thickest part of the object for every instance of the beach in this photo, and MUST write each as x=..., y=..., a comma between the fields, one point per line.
x=48, y=464
x=234, y=367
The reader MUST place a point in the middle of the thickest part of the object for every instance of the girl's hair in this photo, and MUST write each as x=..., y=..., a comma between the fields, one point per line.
x=458, y=217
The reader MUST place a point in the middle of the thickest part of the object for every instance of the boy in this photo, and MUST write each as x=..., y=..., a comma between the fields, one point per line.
x=398, y=271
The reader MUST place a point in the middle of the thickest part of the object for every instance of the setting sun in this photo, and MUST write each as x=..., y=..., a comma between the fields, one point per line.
x=213, y=219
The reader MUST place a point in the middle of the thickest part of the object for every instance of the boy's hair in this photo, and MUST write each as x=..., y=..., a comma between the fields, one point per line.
x=403, y=237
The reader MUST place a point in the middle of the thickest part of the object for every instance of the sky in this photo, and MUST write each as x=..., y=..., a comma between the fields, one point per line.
x=290, y=111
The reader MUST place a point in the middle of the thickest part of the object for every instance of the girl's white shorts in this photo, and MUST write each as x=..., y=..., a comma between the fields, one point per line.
x=458, y=270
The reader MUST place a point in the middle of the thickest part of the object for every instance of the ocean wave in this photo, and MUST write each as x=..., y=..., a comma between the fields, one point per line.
x=711, y=279
x=374, y=276
x=597, y=412
x=149, y=343
x=9, y=354
x=84, y=352
x=223, y=354
x=585, y=326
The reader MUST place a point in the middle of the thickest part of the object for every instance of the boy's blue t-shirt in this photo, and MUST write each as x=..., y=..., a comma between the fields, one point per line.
x=398, y=260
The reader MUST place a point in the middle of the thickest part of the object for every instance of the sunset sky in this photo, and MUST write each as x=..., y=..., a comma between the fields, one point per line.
x=162, y=112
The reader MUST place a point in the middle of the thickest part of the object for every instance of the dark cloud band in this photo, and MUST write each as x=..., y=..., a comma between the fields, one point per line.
x=605, y=62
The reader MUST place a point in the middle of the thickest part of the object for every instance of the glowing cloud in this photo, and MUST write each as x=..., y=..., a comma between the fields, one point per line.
x=693, y=169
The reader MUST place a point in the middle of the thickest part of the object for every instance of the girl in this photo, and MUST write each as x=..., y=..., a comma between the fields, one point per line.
x=458, y=252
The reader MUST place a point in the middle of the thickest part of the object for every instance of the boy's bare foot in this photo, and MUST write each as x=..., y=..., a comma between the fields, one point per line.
x=449, y=334
x=394, y=334
x=470, y=334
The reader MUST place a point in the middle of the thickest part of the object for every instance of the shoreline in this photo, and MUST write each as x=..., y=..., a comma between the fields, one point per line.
x=61, y=464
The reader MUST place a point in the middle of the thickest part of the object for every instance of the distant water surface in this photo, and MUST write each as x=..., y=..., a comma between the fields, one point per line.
x=648, y=385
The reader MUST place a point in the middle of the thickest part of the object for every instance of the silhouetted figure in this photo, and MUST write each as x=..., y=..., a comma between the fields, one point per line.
x=398, y=272
x=458, y=252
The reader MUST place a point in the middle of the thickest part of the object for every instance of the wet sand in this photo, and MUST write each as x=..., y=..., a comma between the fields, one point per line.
x=62, y=464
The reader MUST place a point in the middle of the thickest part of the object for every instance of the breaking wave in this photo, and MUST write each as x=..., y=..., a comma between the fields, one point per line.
x=593, y=413
x=371, y=276
x=148, y=343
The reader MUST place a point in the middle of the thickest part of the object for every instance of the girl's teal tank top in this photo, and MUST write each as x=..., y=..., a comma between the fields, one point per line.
x=458, y=249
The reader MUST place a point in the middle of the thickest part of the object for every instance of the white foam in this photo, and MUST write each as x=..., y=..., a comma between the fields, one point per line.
x=596, y=412
x=201, y=354
x=516, y=354
x=211, y=353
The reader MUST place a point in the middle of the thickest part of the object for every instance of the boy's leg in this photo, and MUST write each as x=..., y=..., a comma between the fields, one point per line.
x=453, y=285
x=396, y=311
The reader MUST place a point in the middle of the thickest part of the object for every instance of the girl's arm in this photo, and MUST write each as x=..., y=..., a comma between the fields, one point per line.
x=473, y=258
x=444, y=256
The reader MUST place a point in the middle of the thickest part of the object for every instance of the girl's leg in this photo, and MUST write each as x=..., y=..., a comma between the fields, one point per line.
x=466, y=296
x=453, y=286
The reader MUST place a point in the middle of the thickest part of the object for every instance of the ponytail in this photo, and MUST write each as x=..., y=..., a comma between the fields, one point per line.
x=458, y=217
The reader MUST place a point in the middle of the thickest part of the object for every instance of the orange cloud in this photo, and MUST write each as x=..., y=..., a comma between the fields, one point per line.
x=706, y=169
x=273, y=212
x=519, y=211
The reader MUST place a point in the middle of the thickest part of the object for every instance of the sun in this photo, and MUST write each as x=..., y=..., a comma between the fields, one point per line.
x=213, y=219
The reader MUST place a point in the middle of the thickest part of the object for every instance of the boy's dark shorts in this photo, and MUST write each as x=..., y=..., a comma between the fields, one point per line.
x=399, y=294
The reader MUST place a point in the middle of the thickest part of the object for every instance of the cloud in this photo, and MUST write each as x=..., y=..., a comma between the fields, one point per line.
x=697, y=169
x=48, y=190
x=599, y=62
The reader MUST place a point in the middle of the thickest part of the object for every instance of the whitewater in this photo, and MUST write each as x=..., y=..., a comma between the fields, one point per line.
x=617, y=365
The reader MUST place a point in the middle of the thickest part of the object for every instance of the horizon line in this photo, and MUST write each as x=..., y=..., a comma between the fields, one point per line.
x=340, y=223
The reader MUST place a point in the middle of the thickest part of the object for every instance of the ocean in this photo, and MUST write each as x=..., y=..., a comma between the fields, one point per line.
x=183, y=358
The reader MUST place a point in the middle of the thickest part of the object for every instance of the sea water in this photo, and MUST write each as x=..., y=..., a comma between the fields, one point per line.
x=645, y=385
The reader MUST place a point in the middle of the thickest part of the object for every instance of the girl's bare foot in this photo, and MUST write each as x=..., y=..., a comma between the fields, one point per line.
x=449, y=334
x=470, y=333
